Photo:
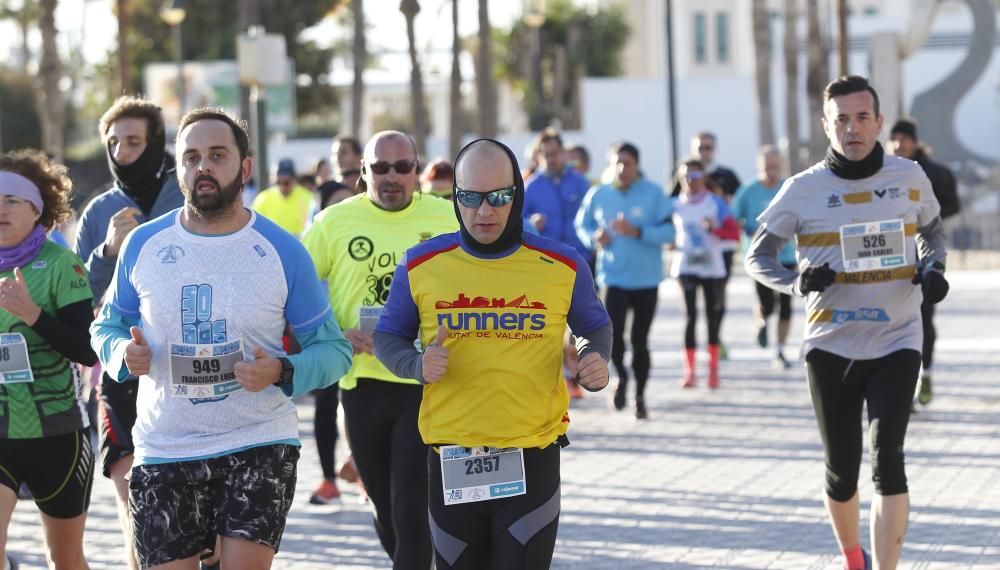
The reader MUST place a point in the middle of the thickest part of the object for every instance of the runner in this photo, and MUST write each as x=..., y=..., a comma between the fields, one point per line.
x=145, y=187
x=748, y=203
x=857, y=218
x=490, y=304
x=627, y=222
x=702, y=223
x=197, y=308
x=356, y=245
x=45, y=312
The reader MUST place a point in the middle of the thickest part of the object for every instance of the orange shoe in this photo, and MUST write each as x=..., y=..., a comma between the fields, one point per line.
x=326, y=493
x=575, y=392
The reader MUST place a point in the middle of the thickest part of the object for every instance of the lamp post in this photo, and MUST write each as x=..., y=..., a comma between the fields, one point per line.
x=173, y=14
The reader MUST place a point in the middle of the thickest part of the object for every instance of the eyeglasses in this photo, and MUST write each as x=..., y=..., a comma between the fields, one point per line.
x=496, y=198
x=706, y=148
x=400, y=166
x=692, y=176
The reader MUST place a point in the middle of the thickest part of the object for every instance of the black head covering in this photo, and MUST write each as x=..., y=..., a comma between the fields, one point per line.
x=142, y=179
x=511, y=234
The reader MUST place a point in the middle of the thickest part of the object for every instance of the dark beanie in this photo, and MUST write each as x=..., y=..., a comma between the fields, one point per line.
x=904, y=127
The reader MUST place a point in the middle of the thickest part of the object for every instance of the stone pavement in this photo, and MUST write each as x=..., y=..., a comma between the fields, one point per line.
x=728, y=479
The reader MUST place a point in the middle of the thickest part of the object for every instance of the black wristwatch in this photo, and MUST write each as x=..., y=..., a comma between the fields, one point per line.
x=287, y=371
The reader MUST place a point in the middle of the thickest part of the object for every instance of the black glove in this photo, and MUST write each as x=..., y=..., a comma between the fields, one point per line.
x=932, y=282
x=816, y=279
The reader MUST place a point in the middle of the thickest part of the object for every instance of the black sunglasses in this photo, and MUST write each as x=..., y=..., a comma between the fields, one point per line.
x=400, y=166
x=496, y=198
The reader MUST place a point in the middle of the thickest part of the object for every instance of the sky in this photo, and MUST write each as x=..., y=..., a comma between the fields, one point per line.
x=89, y=26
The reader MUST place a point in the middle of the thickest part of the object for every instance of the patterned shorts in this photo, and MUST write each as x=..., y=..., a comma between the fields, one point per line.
x=179, y=508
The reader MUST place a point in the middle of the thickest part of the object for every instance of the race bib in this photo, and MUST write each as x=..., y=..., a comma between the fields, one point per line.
x=477, y=474
x=14, y=364
x=873, y=245
x=204, y=370
x=367, y=317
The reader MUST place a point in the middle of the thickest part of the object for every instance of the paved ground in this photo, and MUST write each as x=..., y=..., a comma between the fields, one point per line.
x=730, y=479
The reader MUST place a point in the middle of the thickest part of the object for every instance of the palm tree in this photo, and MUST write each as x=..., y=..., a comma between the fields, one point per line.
x=125, y=79
x=410, y=8
x=762, y=70
x=791, y=45
x=843, y=41
x=50, y=98
x=455, y=99
x=817, y=77
x=360, y=57
x=485, y=85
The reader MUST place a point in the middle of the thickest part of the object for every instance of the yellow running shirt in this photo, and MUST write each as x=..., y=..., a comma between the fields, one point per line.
x=505, y=316
x=290, y=212
x=356, y=246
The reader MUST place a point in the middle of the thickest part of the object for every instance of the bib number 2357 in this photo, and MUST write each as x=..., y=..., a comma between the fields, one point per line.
x=471, y=474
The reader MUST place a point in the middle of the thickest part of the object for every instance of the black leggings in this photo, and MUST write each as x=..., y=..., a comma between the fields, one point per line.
x=643, y=304
x=766, y=295
x=325, y=429
x=930, y=333
x=710, y=289
x=512, y=533
x=381, y=422
x=839, y=388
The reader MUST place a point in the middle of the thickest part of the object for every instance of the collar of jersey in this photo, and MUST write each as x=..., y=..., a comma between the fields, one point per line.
x=194, y=235
x=489, y=256
x=393, y=214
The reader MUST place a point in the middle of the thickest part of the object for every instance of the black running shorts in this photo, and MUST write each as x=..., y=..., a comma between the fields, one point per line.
x=58, y=469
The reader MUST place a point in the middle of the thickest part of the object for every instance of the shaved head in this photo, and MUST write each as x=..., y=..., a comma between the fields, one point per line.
x=480, y=158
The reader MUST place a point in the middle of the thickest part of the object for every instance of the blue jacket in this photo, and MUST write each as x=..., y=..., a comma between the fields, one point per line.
x=628, y=262
x=558, y=200
x=93, y=227
x=748, y=203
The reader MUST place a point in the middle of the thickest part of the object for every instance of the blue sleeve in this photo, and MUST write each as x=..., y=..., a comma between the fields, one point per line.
x=400, y=315
x=586, y=313
x=90, y=248
x=530, y=207
x=723, y=208
x=109, y=334
x=307, y=306
x=739, y=205
x=325, y=358
x=662, y=231
x=585, y=224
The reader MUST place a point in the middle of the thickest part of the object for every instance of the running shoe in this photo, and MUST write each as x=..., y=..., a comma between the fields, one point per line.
x=925, y=393
x=618, y=400
x=762, y=335
x=689, y=380
x=640, y=410
x=326, y=493
x=780, y=363
x=575, y=392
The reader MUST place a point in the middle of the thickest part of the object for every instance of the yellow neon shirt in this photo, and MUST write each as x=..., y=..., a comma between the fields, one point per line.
x=290, y=212
x=356, y=246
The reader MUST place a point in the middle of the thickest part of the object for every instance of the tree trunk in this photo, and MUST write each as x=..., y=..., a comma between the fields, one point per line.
x=486, y=91
x=418, y=112
x=791, y=45
x=817, y=77
x=762, y=70
x=843, y=40
x=455, y=98
x=124, y=70
x=360, y=57
x=50, y=99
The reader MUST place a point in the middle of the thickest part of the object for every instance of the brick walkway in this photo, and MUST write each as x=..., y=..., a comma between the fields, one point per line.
x=730, y=479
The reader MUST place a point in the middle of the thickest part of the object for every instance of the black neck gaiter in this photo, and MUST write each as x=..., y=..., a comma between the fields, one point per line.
x=142, y=179
x=511, y=234
x=855, y=169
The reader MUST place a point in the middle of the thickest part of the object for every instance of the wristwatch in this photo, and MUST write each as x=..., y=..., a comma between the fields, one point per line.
x=287, y=371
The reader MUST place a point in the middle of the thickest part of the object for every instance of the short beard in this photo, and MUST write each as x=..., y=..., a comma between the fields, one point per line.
x=213, y=206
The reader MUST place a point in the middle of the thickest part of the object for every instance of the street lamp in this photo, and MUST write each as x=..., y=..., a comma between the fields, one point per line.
x=173, y=14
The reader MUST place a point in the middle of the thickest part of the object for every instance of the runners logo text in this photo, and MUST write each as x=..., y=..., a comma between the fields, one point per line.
x=484, y=316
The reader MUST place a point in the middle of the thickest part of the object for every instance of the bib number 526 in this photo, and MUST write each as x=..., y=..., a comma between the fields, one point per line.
x=873, y=241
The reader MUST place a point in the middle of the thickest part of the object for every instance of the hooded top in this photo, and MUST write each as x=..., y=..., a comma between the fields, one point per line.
x=511, y=234
x=142, y=179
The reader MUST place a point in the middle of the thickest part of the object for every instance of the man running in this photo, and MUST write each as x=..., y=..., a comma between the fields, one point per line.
x=145, y=187
x=857, y=218
x=904, y=143
x=356, y=246
x=489, y=305
x=196, y=309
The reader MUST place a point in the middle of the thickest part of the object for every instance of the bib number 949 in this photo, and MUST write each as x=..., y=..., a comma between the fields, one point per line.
x=207, y=366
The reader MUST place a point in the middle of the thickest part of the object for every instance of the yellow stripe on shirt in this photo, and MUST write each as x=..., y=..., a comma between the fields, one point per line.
x=830, y=239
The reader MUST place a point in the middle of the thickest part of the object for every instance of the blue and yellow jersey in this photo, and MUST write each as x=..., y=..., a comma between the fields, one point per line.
x=505, y=316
